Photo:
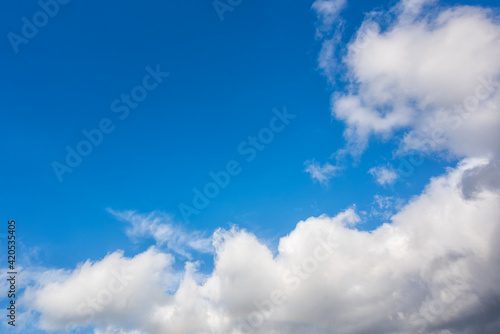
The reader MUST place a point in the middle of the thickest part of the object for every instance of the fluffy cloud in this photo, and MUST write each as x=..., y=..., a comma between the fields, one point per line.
x=428, y=76
x=435, y=267
x=433, y=75
x=161, y=228
x=101, y=293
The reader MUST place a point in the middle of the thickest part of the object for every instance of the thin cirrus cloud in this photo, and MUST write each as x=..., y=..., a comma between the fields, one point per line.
x=161, y=227
x=328, y=30
x=321, y=173
x=383, y=175
x=328, y=12
x=385, y=207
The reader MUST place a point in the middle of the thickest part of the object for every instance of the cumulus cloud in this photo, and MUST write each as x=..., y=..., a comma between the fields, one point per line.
x=101, y=293
x=435, y=267
x=383, y=175
x=321, y=173
x=435, y=76
x=161, y=228
x=428, y=76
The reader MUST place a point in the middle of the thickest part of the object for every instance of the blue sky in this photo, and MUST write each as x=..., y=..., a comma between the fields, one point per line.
x=225, y=78
x=224, y=81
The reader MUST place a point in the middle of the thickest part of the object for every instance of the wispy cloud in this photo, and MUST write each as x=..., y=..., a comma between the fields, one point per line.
x=161, y=228
x=321, y=173
x=329, y=29
x=328, y=13
x=383, y=175
x=385, y=206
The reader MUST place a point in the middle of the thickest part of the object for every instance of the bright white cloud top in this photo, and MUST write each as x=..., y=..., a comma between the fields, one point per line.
x=435, y=74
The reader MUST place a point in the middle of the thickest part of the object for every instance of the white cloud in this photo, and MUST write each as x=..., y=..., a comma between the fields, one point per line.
x=429, y=77
x=434, y=267
x=383, y=175
x=328, y=13
x=434, y=76
x=329, y=28
x=161, y=228
x=321, y=173
x=410, y=9
x=116, y=330
x=385, y=206
x=326, y=59
x=113, y=290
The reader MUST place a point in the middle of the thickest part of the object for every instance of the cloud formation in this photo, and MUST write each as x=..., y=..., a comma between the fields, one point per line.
x=321, y=173
x=101, y=293
x=428, y=76
x=161, y=228
x=383, y=175
x=433, y=74
x=434, y=267
x=328, y=13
